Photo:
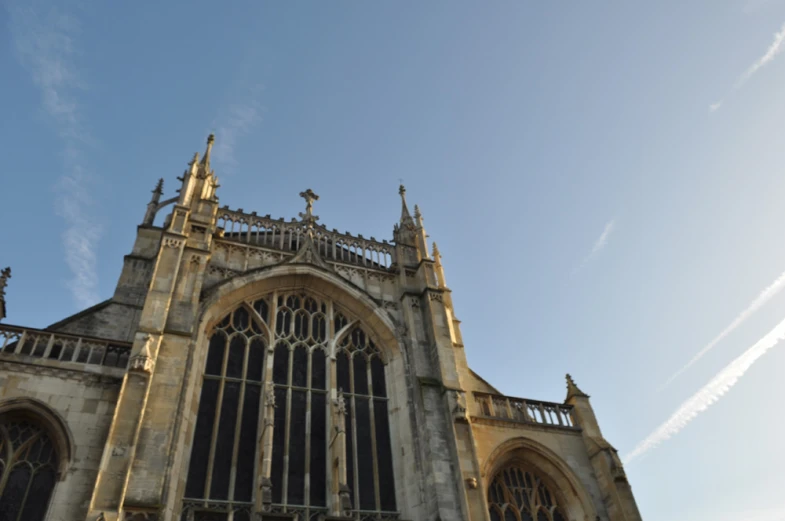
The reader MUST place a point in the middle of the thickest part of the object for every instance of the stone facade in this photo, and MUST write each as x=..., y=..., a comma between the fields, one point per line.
x=117, y=387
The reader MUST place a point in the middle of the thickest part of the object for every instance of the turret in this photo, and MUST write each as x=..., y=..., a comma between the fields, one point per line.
x=5, y=274
x=604, y=458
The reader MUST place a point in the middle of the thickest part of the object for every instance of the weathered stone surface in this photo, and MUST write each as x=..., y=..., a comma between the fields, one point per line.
x=131, y=431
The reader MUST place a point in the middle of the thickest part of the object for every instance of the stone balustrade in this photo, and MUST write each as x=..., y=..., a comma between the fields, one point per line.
x=62, y=347
x=288, y=236
x=525, y=411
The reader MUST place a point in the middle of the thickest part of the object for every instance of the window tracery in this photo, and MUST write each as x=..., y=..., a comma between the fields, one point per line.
x=28, y=461
x=516, y=494
x=302, y=332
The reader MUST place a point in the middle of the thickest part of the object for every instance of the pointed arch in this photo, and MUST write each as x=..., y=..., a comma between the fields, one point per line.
x=319, y=281
x=299, y=310
x=51, y=421
x=555, y=473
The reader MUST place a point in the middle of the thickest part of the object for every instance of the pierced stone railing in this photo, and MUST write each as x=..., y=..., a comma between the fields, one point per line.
x=525, y=411
x=278, y=234
x=63, y=347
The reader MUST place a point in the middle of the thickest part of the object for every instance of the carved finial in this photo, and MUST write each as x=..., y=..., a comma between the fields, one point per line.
x=159, y=187
x=5, y=274
x=206, y=158
x=573, y=389
x=417, y=214
x=436, y=253
x=406, y=217
x=309, y=219
x=340, y=404
x=269, y=395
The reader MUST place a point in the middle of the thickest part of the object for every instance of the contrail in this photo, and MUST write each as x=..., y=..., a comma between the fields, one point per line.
x=710, y=393
x=756, y=304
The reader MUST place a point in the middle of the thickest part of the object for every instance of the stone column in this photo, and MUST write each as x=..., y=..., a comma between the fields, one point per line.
x=122, y=443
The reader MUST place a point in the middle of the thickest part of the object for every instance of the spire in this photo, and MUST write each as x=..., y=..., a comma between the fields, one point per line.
x=5, y=274
x=406, y=217
x=573, y=389
x=206, y=158
x=158, y=190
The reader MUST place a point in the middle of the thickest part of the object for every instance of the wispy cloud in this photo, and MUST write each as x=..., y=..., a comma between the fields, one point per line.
x=43, y=38
x=774, y=49
x=599, y=244
x=763, y=297
x=708, y=394
x=239, y=120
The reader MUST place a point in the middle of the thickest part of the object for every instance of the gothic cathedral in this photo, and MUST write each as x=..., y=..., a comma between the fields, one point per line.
x=250, y=368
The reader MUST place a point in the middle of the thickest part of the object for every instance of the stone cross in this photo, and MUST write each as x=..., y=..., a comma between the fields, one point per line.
x=308, y=217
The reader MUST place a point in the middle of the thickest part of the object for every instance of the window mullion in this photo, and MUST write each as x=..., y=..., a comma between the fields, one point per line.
x=216, y=422
x=356, y=484
x=238, y=423
x=287, y=423
x=376, y=491
x=307, y=481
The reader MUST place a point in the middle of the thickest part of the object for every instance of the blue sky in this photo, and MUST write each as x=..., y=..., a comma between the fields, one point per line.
x=595, y=215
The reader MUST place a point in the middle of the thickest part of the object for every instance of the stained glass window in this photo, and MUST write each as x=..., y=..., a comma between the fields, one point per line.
x=28, y=460
x=517, y=494
x=302, y=329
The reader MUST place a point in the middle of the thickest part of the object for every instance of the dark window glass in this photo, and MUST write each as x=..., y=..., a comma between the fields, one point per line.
x=342, y=363
x=210, y=516
x=350, y=451
x=319, y=328
x=25, y=487
x=38, y=495
x=14, y=492
x=377, y=377
x=281, y=365
x=365, y=455
x=300, y=367
x=234, y=363
x=215, y=354
x=318, y=362
x=318, y=447
x=279, y=438
x=301, y=325
x=360, y=374
x=296, y=488
x=262, y=308
x=256, y=360
x=222, y=464
x=283, y=323
x=384, y=455
x=240, y=319
x=246, y=459
x=197, y=470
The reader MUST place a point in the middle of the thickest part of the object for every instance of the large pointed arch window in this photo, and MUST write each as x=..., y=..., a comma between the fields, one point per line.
x=302, y=350
x=517, y=494
x=28, y=469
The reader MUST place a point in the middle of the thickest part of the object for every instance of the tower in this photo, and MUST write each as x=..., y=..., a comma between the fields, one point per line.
x=248, y=367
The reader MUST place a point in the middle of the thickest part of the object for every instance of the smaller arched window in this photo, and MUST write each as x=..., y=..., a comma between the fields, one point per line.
x=517, y=494
x=28, y=469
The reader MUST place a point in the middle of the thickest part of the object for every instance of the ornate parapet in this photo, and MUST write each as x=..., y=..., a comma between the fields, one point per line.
x=280, y=235
x=521, y=410
x=72, y=350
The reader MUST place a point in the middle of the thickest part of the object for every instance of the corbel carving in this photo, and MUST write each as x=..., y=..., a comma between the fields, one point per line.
x=143, y=361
